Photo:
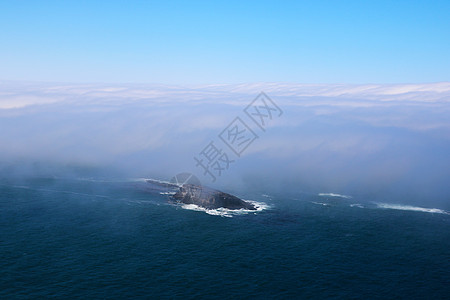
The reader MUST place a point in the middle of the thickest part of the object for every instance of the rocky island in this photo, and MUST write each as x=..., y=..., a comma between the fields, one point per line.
x=198, y=194
x=209, y=198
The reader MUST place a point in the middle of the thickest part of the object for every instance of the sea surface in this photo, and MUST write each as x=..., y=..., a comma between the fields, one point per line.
x=91, y=238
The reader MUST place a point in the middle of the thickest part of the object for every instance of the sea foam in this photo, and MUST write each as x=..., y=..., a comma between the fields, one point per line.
x=334, y=195
x=229, y=213
x=411, y=208
x=321, y=203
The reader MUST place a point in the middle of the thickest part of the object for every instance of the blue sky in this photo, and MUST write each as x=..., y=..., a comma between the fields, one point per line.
x=202, y=42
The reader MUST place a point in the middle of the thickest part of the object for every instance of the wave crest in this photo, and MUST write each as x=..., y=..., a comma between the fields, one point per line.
x=334, y=195
x=411, y=208
x=225, y=212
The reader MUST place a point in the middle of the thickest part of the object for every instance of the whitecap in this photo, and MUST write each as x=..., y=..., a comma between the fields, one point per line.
x=96, y=180
x=411, y=208
x=152, y=180
x=357, y=205
x=320, y=203
x=334, y=195
x=140, y=179
x=229, y=213
x=167, y=193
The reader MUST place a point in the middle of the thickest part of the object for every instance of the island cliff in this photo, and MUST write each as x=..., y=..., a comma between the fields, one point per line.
x=210, y=198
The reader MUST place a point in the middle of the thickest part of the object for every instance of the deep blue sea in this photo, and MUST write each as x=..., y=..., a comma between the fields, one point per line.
x=100, y=239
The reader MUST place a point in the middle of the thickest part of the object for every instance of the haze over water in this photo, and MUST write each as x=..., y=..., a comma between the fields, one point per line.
x=331, y=119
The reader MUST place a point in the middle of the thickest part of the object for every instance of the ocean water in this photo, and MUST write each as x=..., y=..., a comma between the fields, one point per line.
x=103, y=239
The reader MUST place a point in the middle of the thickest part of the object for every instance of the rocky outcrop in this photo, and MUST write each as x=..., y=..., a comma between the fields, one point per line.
x=209, y=198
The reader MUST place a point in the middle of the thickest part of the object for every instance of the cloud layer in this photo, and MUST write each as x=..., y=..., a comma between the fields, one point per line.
x=370, y=140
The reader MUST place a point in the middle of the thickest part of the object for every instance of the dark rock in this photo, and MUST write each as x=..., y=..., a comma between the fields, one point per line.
x=210, y=198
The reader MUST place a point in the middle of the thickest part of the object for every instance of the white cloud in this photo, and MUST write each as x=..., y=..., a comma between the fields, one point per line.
x=330, y=136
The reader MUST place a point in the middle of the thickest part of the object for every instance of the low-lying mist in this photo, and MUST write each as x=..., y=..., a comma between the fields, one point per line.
x=389, y=143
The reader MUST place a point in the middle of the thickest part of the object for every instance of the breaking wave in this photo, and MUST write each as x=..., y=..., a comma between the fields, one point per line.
x=167, y=193
x=411, y=208
x=320, y=203
x=334, y=195
x=153, y=180
x=229, y=213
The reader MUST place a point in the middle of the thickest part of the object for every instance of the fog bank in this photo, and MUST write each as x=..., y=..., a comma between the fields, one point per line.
x=373, y=141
